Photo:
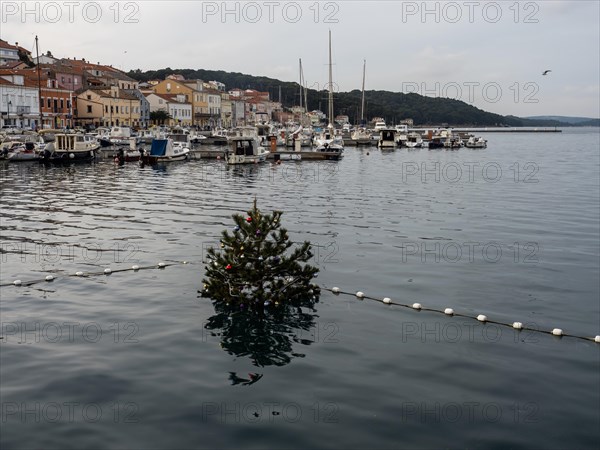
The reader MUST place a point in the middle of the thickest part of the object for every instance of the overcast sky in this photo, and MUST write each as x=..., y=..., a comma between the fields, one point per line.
x=489, y=54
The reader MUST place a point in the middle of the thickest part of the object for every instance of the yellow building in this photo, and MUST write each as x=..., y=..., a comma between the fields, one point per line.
x=192, y=91
x=205, y=101
x=107, y=106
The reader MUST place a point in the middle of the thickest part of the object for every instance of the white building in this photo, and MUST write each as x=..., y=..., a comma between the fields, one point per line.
x=175, y=105
x=8, y=53
x=19, y=103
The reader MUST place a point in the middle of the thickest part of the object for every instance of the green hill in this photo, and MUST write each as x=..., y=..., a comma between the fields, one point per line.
x=392, y=106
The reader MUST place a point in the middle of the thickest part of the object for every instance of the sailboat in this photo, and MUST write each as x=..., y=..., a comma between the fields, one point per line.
x=362, y=136
x=328, y=141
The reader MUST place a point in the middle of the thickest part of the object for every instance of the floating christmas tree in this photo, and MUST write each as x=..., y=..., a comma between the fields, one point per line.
x=255, y=268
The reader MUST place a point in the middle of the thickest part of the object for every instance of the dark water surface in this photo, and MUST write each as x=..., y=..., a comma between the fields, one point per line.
x=138, y=360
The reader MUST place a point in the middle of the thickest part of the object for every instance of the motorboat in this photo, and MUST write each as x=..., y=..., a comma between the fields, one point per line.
x=361, y=136
x=476, y=142
x=164, y=150
x=71, y=147
x=414, y=140
x=387, y=138
x=245, y=150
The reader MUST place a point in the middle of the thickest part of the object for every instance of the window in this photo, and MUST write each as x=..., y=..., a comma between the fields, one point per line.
x=62, y=79
x=62, y=104
x=106, y=108
x=89, y=109
x=75, y=81
x=89, y=97
x=49, y=103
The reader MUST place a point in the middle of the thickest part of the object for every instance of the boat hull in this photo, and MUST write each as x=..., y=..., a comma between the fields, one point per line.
x=243, y=159
x=67, y=157
x=163, y=159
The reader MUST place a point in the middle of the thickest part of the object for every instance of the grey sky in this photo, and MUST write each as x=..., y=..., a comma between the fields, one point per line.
x=490, y=54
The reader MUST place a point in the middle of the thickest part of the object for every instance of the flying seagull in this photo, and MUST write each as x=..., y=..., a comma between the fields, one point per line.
x=546, y=72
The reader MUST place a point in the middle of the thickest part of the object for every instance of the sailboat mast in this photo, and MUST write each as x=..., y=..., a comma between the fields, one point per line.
x=330, y=84
x=362, y=108
x=300, y=83
x=39, y=82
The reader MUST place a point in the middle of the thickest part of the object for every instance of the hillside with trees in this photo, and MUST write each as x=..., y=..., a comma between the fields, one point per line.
x=393, y=106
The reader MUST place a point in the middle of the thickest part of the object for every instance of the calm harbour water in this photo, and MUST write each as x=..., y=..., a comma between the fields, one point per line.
x=139, y=360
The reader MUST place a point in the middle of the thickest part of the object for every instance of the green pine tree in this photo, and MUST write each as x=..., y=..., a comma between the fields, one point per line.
x=253, y=270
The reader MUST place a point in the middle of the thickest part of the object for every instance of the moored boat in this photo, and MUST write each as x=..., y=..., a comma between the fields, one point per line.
x=23, y=152
x=387, y=138
x=72, y=147
x=476, y=142
x=163, y=150
x=245, y=150
x=414, y=140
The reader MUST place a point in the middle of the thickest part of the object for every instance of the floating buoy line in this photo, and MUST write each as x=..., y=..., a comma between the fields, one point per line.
x=335, y=290
x=107, y=271
x=519, y=326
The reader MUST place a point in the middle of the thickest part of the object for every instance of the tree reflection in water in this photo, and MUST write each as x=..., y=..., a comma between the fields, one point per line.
x=266, y=339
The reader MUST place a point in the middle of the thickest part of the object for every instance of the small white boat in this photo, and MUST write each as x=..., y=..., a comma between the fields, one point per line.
x=305, y=136
x=414, y=140
x=329, y=142
x=387, y=138
x=164, y=150
x=25, y=152
x=476, y=142
x=362, y=136
x=119, y=135
x=401, y=135
x=380, y=125
x=245, y=150
x=453, y=142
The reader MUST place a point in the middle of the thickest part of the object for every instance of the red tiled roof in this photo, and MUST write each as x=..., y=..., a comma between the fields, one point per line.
x=4, y=44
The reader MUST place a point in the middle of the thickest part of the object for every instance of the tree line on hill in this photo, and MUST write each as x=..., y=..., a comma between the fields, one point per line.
x=393, y=106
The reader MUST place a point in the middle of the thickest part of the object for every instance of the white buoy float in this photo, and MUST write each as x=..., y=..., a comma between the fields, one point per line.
x=360, y=294
x=185, y=262
x=49, y=278
x=597, y=339
x=161, y=264
x=449, y=311
x=107, y=271
x=335, y=290
x=417, y=306
x=17, y=282
x=482, y=318
x=557, y=332
x=387, y=300
x=135, y=267
x=79, y=274
x=517, y=325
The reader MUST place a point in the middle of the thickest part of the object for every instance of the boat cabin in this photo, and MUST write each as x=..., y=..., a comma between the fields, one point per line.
x=243, y=147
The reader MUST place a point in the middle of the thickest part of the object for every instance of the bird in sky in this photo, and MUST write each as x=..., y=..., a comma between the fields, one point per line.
x=546, y=72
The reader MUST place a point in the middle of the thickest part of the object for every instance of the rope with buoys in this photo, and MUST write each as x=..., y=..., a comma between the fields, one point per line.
x=107, y=271
x=519, y=326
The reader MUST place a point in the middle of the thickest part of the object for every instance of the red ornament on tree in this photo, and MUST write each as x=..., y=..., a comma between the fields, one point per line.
x=248, y=219
x=228, y=267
